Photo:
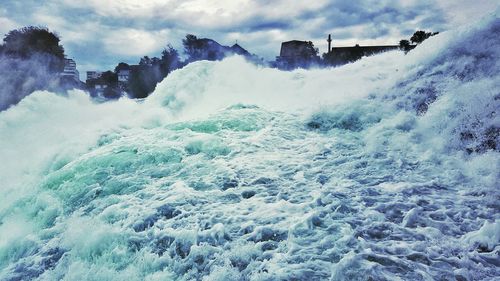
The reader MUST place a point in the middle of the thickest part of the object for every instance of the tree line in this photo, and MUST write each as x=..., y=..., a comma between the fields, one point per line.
x=417, y=38
x=31, y=58
x=144, y=76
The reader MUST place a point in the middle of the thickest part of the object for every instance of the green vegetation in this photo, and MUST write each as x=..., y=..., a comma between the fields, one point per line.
x=30, y=41
x=31, y=59
x=417, y=38
x=420, y=36
x=144, y=76
x=34, y=54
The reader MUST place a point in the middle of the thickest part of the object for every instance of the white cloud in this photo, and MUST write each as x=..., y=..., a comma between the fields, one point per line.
x=123, y=8
x=213, y=14
x=7, y=25
x=45, y=18
x=459, y=12
x=69, y=30
x=102, y=31
x=207, y=14
x=135, y=42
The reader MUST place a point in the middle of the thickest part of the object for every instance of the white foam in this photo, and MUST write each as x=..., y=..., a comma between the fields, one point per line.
x=383, y=168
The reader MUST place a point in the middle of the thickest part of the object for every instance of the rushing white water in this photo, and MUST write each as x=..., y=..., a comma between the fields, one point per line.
x=385, y=169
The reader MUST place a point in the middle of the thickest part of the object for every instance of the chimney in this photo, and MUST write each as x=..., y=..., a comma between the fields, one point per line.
x=329, y=43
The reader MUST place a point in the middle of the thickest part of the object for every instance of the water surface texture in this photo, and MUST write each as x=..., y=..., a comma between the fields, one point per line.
x=385, y=169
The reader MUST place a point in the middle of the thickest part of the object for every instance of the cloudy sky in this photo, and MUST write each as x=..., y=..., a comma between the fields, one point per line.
x=100, y=33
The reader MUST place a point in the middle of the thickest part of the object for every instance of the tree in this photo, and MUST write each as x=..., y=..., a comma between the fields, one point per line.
x=31, y=59
x=110, y=79
x=404, y=45
x=144, y=77
x=145, y=61
x=35, y=41
x=310, y=52
x=122, y=66
x=169, y=60
x=191, y=47
x=420, y=36
x=203, y=49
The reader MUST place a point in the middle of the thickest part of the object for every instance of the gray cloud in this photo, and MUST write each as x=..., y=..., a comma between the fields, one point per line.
x=102, y=33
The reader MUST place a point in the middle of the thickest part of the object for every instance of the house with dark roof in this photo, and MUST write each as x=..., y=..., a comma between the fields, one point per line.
x=208, y=49
x=237, y=49
x=296, y=53
x=344, y=55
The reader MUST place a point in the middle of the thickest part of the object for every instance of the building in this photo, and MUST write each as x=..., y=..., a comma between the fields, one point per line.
x=70, y=70
x=297, y=53
x=93, y=75
x=100, y=86
x=237, y=49
x=343, y=55
x=123, y=75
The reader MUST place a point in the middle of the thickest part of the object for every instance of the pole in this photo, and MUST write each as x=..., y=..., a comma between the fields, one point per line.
x=329, y=43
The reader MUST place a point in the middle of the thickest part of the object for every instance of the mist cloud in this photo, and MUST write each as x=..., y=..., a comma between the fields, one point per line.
x=20, y=77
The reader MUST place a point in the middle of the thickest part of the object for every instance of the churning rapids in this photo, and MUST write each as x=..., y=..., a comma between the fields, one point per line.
x=384, y=169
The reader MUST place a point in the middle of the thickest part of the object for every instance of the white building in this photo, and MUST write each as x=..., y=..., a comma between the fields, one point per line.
x=70, y=70
x=93, y=74
x=123, y=75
